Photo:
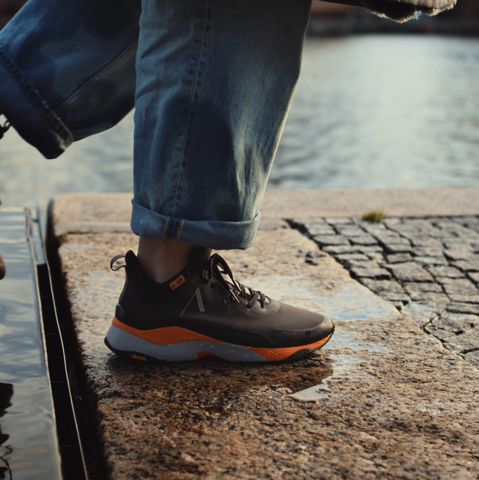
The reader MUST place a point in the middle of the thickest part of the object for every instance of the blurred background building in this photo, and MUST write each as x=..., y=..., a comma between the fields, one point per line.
x=334, y=19
x=372, y=109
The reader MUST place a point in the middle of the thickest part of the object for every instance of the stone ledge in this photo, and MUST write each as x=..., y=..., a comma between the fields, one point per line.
x=111, y=211
x=380, y=401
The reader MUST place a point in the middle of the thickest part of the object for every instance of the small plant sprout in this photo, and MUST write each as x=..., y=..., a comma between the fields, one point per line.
x=374, y=216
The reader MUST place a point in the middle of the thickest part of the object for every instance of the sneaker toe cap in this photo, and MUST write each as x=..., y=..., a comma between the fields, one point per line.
x=309, y=328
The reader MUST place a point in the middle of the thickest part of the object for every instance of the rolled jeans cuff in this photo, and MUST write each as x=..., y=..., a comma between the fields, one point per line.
x=219, y=235
x=29, y=113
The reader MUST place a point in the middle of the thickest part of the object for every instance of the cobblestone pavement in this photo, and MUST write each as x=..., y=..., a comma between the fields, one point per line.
x=428, y=268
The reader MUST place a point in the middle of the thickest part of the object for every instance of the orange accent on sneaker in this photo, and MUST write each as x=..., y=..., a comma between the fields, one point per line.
x=165, y=335
x=276, y=354
x=137, y=357
x=177, y=282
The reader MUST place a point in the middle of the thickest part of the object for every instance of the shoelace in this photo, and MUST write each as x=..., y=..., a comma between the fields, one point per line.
x=218, y=268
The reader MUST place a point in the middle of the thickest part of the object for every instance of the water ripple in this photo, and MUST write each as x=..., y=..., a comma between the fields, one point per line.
x=373, y=111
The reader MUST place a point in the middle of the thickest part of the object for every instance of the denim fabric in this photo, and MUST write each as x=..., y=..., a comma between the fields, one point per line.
x=212, y=87
x=67, y=69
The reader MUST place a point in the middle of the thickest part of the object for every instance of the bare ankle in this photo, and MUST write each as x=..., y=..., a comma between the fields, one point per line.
x=161, y=258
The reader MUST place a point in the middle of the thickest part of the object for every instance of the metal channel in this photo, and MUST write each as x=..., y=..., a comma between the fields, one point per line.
x=38, y=431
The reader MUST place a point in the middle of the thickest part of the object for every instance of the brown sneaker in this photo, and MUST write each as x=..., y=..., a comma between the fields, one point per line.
x=204, y=311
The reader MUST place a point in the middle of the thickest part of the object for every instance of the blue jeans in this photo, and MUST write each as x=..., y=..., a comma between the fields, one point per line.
x=211, y=82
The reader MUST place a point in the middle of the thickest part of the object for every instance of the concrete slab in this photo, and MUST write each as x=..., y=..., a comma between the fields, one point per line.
x=84, y=212
x=413, y=202
x=382, y=400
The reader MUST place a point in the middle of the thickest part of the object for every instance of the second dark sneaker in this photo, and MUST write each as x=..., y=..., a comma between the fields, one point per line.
x=2, y=267
x=204, y=311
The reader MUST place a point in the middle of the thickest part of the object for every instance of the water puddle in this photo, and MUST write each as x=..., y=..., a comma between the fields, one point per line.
x=346, y=302
x=343, y=366
x=346, y=338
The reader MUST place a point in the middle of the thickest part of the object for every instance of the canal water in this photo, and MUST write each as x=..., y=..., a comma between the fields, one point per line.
x=28, y=442
x=371, y=111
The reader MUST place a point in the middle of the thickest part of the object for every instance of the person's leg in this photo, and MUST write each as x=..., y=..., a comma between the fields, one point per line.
x=212, y=96
x=67, y=69
x=214, y=82
x=161, y=258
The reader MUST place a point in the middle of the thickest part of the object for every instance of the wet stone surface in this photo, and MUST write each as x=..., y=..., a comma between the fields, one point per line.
x=433, y=266
x=380, y=401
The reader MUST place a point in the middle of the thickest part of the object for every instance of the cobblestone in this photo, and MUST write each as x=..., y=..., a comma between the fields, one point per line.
x=380, y=287
x=397, y=299
x=418, y=287
x=471, y=266
x=398, y=247
x=365, y=240
x=368, y=264
x=463, y=308
x=339, y=249
x=369, y=250
x=348, y=257
x=377, y=257
x=399, y=258
x=473, y=357
x=339, y=221
x=375, y=273
x=410, y=272
x=464, y=342
x=465, y=298
x=350, y=230
x=454, y=281
x=321, y=229
x=430, y=297
x=422, y=314
x=456, y=322
x=431, y=261
x=425, y=242
x=428, y=252
x=474, y=277
x=457, y=287
x=460, y=254
x=439, y=332
x=449, y=272
x=427, y=268
x=327, y=240
x=373, y=228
